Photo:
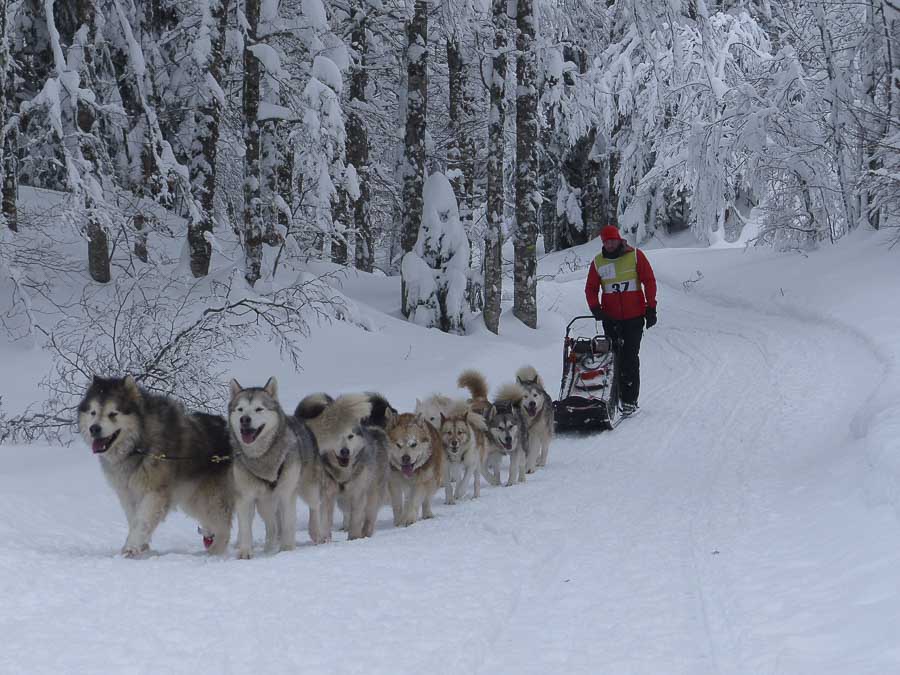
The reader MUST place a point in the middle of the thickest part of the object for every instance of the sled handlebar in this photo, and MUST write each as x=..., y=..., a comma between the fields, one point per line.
x=579, y=318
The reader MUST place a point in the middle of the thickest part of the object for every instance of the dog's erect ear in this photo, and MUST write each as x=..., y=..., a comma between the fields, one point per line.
x=389, y=416
x=131, y=387
x=235, y=387
x=271, y=387
x=490, y=413
x=443, y=419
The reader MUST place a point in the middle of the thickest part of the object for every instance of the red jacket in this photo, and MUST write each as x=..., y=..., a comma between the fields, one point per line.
x=627, y=305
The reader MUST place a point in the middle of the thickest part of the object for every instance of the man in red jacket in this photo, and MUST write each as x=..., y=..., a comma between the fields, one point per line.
x=620, y=272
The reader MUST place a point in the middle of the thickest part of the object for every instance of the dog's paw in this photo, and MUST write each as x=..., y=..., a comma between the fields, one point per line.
x=244, y=555
x=289, y=546
x=134, y=551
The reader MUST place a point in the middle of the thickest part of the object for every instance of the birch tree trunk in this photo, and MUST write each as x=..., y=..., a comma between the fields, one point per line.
x=493, y=269
x=525, y=281
x=414, y=147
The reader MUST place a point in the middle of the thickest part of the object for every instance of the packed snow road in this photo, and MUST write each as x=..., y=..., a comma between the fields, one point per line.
x=720, y=531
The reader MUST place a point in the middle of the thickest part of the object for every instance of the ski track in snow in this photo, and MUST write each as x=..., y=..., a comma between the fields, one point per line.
x=684, y=542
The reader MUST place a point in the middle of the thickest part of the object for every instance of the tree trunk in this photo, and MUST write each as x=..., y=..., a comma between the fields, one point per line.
x=253, y=229
x=85, y=119
x=461, y=147
x=414, y=147
x=357, y=145
x=207, y=118
x=525, y=281
x=493, y=269
x=8, y=143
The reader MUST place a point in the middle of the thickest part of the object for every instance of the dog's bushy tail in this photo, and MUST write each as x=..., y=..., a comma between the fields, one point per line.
x=475, y=383
x=382, y=411
x=312, y=406
x=528, y=375
x=510, y=393
x=341, y=413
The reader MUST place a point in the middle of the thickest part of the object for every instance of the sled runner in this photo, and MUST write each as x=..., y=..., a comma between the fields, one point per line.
x=589, y=391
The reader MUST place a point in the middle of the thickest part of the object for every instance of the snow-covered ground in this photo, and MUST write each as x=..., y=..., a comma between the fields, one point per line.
x=748, y=521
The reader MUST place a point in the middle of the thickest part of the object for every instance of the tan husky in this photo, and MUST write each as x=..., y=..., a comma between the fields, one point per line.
x=416, y=457
x=464, y=435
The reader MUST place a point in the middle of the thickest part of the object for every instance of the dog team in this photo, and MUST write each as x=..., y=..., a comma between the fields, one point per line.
x=354, y=451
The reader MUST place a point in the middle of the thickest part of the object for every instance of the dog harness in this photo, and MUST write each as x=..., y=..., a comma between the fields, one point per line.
x=147, y=452
x=254, y=466
x=332, y=472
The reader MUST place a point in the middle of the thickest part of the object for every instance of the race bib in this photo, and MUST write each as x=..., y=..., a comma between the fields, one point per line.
x=618, y=287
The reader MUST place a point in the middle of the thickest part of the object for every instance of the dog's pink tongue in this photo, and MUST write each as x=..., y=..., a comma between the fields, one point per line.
x=98, y=445
x=248, y=436
x=408, y=470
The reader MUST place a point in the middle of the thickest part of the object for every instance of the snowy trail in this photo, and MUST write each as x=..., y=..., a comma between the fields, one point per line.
x=697, y=538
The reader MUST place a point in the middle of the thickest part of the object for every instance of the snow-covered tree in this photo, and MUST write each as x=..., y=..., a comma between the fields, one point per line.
x=413, y=171
x=435, y=270
x=8, y=211
x=496, y=186
x=527, y=195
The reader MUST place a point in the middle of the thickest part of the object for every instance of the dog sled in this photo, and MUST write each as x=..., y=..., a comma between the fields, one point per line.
x=589, y=390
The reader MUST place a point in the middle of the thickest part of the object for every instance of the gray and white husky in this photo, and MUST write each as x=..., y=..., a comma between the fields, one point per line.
x=157, y=457
x=508, y=435
x=354, y=461
x=275, y=459
x=538, y=408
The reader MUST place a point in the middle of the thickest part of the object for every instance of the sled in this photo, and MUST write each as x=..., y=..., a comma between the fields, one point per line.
x=589, y=390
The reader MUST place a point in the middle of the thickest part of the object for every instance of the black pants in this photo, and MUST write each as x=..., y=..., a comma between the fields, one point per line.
x=630, y=332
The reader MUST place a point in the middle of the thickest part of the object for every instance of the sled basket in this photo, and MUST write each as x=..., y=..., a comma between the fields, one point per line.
x=588, y=392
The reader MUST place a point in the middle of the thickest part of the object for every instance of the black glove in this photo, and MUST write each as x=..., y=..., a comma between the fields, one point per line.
x=650, y=317
x=599, y=314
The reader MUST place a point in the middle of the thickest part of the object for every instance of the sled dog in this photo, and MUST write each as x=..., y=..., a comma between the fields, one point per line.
x=354, y=463
x=538, y=408
x=463, y=434
x=314, y=404
x=431, y=408
x=275, y=459
x=508, y=435
x=157, y=457
x=416, y=458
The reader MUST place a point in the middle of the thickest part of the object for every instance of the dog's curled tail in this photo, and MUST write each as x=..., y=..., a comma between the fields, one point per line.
x=510, y=393
x=312, y=406
x=382, y=411
x=528, y=375
x=345, y=411
x=475, y=383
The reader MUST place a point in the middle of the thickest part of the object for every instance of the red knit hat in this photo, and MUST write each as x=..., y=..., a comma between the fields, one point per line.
x=610, y=232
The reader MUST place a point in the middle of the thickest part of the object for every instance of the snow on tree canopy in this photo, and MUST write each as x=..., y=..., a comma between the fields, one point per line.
x=326, y=71
x=314, y=12
x=442, y=249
